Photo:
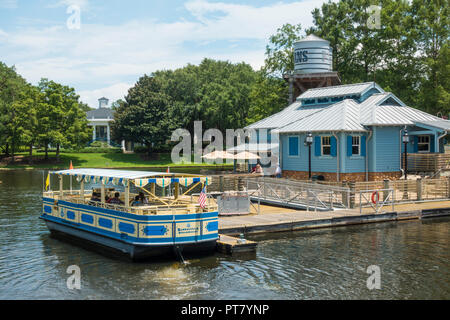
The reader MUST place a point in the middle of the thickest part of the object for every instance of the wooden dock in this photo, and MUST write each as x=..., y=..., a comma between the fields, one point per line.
x=274, y=219
x=232, y=245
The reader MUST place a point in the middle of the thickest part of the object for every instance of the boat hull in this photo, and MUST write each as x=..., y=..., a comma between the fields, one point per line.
x=115, y=248
x=134, y=236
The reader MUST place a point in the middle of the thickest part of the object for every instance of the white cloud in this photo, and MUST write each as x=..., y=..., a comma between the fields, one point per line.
x=83, y=4
x=106, y=57
x=9, y=4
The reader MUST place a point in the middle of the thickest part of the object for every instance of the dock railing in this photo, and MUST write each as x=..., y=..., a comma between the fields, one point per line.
x=329, y=195
x=403, y=190
x=298, y=194
x=376, y=199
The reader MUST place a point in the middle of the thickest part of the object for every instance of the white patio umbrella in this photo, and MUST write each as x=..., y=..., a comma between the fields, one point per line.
x=245, y=155
x=218, y=155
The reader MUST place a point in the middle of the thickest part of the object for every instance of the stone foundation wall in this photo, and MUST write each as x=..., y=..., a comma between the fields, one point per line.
x=353, y=176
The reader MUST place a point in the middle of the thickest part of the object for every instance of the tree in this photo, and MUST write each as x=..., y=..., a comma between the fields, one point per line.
x=62, y=120
x=280, y=50
x=267, y=96
x=432, y=21
x=12, y=88
x=143, y=118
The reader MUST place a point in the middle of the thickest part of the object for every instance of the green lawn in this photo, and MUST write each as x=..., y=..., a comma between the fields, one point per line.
x=102, y=160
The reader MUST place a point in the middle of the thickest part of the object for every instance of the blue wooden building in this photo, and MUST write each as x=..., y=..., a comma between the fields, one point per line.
x=357, y=133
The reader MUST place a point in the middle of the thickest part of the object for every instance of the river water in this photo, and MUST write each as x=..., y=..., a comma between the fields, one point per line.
x=413, y=257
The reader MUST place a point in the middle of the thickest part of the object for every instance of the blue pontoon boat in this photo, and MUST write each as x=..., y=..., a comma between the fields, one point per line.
x=121, y=211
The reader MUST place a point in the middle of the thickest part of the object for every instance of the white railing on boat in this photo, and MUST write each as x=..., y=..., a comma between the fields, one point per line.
x=181, y=206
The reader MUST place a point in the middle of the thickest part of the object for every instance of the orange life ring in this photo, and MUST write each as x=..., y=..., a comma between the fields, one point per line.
x=375, y=193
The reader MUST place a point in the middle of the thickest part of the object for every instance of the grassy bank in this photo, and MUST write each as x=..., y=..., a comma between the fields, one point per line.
x=98, y=160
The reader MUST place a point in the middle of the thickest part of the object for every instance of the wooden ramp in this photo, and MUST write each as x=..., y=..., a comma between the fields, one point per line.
x=232, y=245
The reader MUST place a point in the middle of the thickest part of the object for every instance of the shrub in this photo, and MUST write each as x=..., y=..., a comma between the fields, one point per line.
x=95, y=150
x=140, y=149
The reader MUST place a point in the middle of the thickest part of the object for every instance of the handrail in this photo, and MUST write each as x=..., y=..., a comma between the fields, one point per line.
x=139, y=210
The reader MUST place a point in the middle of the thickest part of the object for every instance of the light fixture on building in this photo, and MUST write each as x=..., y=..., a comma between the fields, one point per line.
x=308, y=142
x=405, y=140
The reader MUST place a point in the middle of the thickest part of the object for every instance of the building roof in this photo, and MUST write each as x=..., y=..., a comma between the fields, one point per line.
x=296, y=111
x=111, y=173
x=312, y=37
x=291, y=113
x=348, y=115
x=341, y=116
x=339, y=91
x=376, y=112
x=254, y=147
x=379, y=109
x=100, y=113
x=440, y=124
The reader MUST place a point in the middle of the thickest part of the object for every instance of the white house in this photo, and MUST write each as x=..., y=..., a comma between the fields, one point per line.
x=100, y=119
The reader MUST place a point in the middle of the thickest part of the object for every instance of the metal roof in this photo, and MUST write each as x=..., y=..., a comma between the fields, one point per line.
x=291, y=113
x=296, y=111
x=312, y=37
x=100, y=113
x=342, y=116
x=254, y=147
x=110, y=173
x=373, y=113
x=339, y=91
x=440, y=124
x=348, y=115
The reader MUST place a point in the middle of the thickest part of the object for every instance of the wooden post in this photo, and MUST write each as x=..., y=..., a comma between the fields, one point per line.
x=221, y=184
x=385, y=186
x=103, y=193
x=127, y=195
x=352, y=194
x=419, y=189
x=177, y=190
x=153, y=188
x=345, y=201
x=82, y=191
x=448, y=187
x=60, y=186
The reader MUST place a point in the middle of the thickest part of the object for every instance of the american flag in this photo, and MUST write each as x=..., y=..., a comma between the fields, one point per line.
x=202, y=198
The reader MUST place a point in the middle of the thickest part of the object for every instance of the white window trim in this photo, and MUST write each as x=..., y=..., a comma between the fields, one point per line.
x=322, y=145
x=289, y=147
x=359, y=146
x=427, y=143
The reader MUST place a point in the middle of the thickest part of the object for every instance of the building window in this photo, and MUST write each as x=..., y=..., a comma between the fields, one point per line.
x=356, y=145
x=293, y=147
x=423, y=143
x=326, y=146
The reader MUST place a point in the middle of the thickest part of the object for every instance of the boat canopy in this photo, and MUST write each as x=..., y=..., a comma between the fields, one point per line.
x=139, y=178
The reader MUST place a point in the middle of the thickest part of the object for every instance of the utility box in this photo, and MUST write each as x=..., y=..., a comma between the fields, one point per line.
x=233, y=203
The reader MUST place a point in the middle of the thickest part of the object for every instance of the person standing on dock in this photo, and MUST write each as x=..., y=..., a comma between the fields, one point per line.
x=278, y=171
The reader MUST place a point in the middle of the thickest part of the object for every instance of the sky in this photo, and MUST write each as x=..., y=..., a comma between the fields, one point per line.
x=102, y=47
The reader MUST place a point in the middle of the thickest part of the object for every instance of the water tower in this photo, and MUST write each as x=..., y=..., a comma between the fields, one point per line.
x=313, y=66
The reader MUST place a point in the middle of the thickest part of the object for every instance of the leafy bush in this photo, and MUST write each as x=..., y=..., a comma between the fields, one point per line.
x=95, y=150
x=140, y=149
x=99, y=144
